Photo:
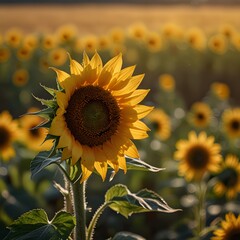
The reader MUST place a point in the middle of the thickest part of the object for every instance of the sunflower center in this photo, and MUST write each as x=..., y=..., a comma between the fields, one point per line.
x=4, y=137
x=35, y=132
x=233, y=235
x=197, y=157
x=229, y=177
x=156, y=126
x=92, y=115
x=235, y=125
x=200, y=116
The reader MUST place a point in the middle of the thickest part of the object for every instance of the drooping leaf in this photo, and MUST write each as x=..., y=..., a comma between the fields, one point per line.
x=137, y=164
x=43, y=124
x=35, y=225
x=122, y=201
x=49, y=103
x=42, y=160
x=51, y=91
x=127, y=236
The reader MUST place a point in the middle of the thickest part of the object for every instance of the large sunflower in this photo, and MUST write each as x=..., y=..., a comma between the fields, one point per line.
x=98, y=114
x=230, y=228
x=229, y=178
x=8, y=135
x=231, y=122
x=197, y=155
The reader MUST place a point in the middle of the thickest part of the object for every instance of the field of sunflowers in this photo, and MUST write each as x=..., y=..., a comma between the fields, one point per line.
x=193, y=131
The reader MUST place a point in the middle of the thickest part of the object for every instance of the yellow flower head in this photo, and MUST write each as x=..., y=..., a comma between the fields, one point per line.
x=66, y=33
x=161, y=123
x=8, y=135
x=221, y=90
x=200, y=114
x=30, y=41
x=167, y=82
x=218, y=44
x=103, y=42
x=31, y=136
x=13, y=37
x=4, y=54
x=89, y=43
x=227, y=30
x=98, y=113
x=171, y=31
x=153, y=41
x=117, y=35
x=235, y=40
x=231, y=122
x=49, y=41
x=138, y=31
x=229, y=230
x=229, y=178
x=57, y=57
x=197, y=155
x=24, y=53
x=196, y=38
x=20, y=77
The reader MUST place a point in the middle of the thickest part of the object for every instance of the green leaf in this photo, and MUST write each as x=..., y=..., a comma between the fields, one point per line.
x=35, y=225
x=137, y=164
x=127, y=236
x=122, y=201
x=45, y=113
x=43, y=160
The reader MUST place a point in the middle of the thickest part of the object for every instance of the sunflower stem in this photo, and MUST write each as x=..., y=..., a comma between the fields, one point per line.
x=79, y=204
x=94, y=220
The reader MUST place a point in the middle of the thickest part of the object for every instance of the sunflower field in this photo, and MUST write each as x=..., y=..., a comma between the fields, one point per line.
x=186, y=144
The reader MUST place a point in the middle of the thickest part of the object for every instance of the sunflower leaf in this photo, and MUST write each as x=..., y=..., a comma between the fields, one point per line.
x=121, y=200
x=127, y=236
x=42, y=160
x=35, y=225
x=45, y=113
x=51, y=91
x=137, y=164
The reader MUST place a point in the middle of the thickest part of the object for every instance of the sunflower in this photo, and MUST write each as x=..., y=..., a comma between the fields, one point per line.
x=167, y=82
x=33, y=137
x=229, y=230
x=153, y=41
x=236, y=41
x=49, y=41
x=229, y=178
x=200, y=114
x=197, y=155
x=13, y=37
x=231, y=122
x=218, y=44
x=57, y=56
x=196, y=38
x=4, y=54
x=171, y=31
x=161, y=123
x=24, y=53
x=98, y=113
x=117, y=35
x=103, y=42
x=8, y=135
x=89, y=43
x=227, y=30
x=220, y=90
x=20, y=77
x=66, y=33
x=30, y=41
x=138, y=31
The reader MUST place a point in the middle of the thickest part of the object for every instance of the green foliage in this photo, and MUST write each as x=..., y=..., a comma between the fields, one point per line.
x=122, y=201
x=35, y=225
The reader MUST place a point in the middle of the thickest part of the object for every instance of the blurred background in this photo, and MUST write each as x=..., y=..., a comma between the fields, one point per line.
x=189, y=52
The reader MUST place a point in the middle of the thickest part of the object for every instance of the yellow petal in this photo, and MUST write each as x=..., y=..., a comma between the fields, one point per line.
x=61, y=75
x=57, y=126
x=96, y=61
x=131, y=150
x=62, y=100
x=77, y=152
x=75, y=67
x=138, y=125
x=136, y=97
x=86, y=60
x=122, y=163
x=142, y=110
x=100, y=163
x=64, y=140
x=66, y=154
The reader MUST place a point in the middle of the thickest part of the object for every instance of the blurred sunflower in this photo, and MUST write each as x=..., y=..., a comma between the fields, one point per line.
x=171, y=31
x=4, y=54
x=227, y=30
x=236, y=41
x=167, y=82
x=89, y=43
x=231, y=122
x=20, y=77
x=66, y=33
x=30, y=41
x=49, y=41
x=197, y=155
x=200, y=115
x=13, y=37
x=103, y=42
x=218, y=44
x=98, y=113
x=228, y=178
x=24, y=53
x=196, y=38
x=57, y=57
x=117, y=35
x=161, y=123
x=31, y=136
x=153, y=41
x=138, y=31
x=220, y=90
x=229, y=230
x=8, y=135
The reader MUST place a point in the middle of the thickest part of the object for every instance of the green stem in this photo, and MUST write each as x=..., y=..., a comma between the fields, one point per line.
x=79, y=205
x=94, y=220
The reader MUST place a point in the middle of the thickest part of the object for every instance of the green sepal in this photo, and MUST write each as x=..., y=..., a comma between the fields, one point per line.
x=43, y=124
x=122, y=201
x=35, y=225
x=47, y=113
x=49, y=103
x=51, y=91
